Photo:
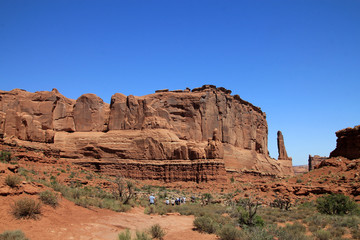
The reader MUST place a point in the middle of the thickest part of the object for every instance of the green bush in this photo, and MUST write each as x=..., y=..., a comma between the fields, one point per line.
x=355, y=233
x=142, y=236
x=229, y=232
x=13, y=235
x=335, y=204
x=157, y=232
x=12, y=181
x=5, y=156
x=322, y=234
x=206, y=224
x=258, y=233
x=126, y=235
x=246, y=218
x=49, y=198
x=294, y=231
x=26, y=208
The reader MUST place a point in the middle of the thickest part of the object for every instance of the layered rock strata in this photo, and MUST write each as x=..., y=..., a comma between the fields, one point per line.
x=347, y=143
x=315, y=160
x=171, y=135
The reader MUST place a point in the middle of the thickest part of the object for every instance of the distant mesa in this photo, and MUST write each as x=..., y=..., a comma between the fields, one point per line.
x=347, y=146
x=181, y=135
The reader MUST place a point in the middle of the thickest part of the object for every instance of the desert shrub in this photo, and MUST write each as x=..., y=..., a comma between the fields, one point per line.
x=26, y=208
x=198, y=211
x=49, y=198
x=282, y=203
x=258, y=233
x=294, y=231
x=5, y=156
x=126, y=235
x=206, y=198
x=317, y=221
x=337, y=231
x=229, y=232
x=335, y=204
x=247, y=213
x=206, y=224
x=142, y=236
x=13, y=235
x=157, y=232
x=355, y=233
x=150, y=209
x=322, y=234
x=348, y=221
x=12, y=180
x=123, y=189
x=249, y=218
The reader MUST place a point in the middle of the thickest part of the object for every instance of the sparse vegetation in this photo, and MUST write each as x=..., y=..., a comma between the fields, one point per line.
x=26, y=208
x=206, y=224
x=13, y=181
x=49, y=198
x=13, y=235
x=335, y=204
x=156, y=231
x=126, y=235
x=5, y=156
x=247, y=213
x=229, y=232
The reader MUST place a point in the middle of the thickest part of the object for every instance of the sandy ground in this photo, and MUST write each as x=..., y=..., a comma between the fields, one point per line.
x=69, y=221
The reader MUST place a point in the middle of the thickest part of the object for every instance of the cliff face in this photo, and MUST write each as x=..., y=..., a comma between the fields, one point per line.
x=347, y=143
x=202, y=124
x=314, y=160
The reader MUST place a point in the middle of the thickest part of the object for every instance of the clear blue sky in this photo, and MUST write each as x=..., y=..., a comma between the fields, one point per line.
x=298, y=60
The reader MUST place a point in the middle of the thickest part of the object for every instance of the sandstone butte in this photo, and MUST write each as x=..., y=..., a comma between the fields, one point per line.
x=183, y=135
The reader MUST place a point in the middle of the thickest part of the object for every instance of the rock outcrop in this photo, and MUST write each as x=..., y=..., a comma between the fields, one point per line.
x=281, y=147
x=283, y=158
x=196, y=129
x=315, y=160
x=301, y=169
x=347, y=143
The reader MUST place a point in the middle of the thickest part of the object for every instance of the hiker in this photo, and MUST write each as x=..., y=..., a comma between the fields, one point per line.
x=184, y=199
x=167, y=202
x=152, y=199
x=173, y=201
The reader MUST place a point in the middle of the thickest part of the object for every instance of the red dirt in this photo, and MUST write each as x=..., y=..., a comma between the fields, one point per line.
x=69, y=221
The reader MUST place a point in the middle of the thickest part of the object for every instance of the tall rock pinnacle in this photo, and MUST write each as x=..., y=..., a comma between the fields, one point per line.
x=281, y=147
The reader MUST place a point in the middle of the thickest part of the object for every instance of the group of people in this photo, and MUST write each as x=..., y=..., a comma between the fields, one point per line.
x=173, y=201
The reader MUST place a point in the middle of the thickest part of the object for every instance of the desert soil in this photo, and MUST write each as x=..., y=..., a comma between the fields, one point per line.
x=69, y=221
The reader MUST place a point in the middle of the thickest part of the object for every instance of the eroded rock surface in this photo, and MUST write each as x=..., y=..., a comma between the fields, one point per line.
x=347, y=143
x=196, y=129
x=315, y=160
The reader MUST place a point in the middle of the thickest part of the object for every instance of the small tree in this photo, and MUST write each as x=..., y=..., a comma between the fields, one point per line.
x=247, y=211
x=335, y=204
x=123, y=190
x=283, y=203
x=206, y=198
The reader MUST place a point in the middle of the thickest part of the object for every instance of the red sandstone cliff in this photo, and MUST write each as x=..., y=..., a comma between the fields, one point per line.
x=347, y=143
x=192, y=128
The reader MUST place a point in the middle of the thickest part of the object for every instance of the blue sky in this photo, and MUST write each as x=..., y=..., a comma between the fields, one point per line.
x=298, y=60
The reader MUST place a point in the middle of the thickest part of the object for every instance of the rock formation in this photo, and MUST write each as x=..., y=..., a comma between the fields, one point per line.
x=170, y=135
x=315, y=160
x=347, y=143
x=283, y=158
x=301, y=169
x=281, y=147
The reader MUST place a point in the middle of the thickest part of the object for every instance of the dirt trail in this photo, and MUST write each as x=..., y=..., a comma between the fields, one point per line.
x=69, y=221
